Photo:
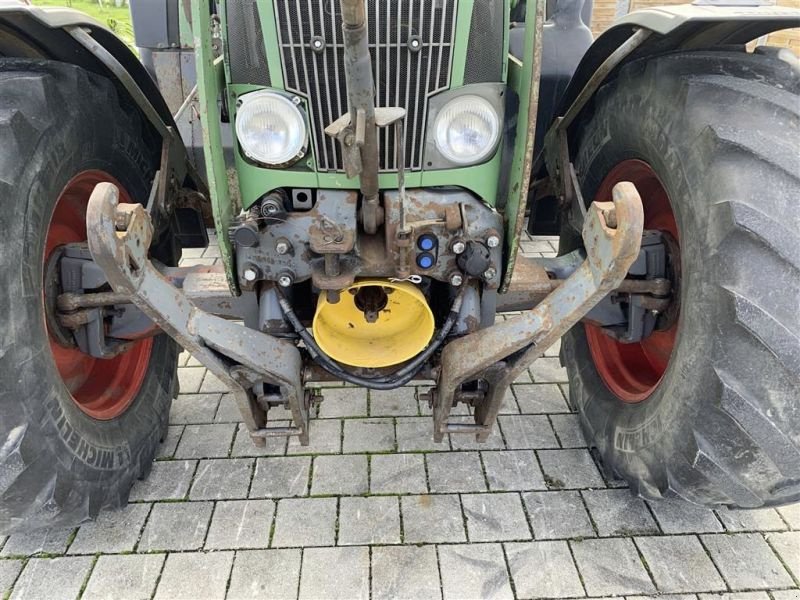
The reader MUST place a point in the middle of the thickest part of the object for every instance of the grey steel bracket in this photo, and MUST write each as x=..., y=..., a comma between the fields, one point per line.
x=497, y=355
x=119, y=239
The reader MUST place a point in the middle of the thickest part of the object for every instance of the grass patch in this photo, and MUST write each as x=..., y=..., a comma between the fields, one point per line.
x=116, y=19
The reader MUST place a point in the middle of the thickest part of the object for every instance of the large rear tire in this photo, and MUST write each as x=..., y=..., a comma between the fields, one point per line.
x=75, y=432
x=709, y=411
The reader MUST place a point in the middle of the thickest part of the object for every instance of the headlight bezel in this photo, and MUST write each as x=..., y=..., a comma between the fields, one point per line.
x=247, y=102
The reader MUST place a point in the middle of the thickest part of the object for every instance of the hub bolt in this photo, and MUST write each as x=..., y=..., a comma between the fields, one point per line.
x=493, y=241
x=490, y=273
x=250, y=274
x=458, y=247
x=285, y=280
x=282, y=247
x=456, y=279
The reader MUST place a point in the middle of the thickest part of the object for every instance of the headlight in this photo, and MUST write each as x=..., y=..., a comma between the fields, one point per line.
x=467, y=130
x=270, y=128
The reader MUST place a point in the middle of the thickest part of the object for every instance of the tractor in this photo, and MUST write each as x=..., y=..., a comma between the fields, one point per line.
x=370, y=167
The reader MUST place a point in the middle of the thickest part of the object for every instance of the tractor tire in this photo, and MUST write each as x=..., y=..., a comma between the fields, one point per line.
x=75, y=432
x=708, y=409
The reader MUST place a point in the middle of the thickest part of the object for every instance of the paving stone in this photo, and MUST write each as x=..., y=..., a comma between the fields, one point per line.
x=265, y=575
x=455, y=472
x=467, y=441
x=228, y=411
x=540, y=398
x=176, y=526
x=664, y=597
x=791, y=514
x=739, y=596
x=397, y=474
x=52, y=578
x=432, y=519
x=760, y=519
x=680, y=564
x=543, y=570
x=193, y=409
x=786, y=595
x=569, y=469
x=280, y=477
x=193, y=575
x=524, y=377
x=212, y=384
x=340, y=475
x=190, y=378
x=746, y=561
x=400, y=402
x=548, y=370
x=513, y=470
x=373, y=520
x=404, y=573
x=227, y=479
x=527, y=432
x=787, y=545
x=557, y=515
x=243, y=444
x=611, y=567
x=474, y=572
x=368, y=435
x=124, y=577
x=568, y=430
x=166, y=449
x=415, y=434
x=48, y=541
x=168, y=480
x=343, y=402
x=206, y=441
x=677, y=516
x=240, y=524
x=113, y=531
x=325, y=437
x=495, y=517
x=618, y=512
x=335, y=574
x=305, y=522
x=9, y=569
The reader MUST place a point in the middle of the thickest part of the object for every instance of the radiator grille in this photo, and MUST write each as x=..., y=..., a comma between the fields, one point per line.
x=247, y=55
x=405, y=78
x=485, y=52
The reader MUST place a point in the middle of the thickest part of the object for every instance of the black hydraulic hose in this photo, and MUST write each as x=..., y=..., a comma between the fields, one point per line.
x=384, y=382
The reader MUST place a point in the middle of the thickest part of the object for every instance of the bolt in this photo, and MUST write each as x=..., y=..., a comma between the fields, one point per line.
x=490, y=273
x=296, y=100
x=317, y=44
x=458, y=247
x=250, y=274
x=282, y=247
x=270, y=208
x=285, y=280
x=493, y=241
x=456, y=279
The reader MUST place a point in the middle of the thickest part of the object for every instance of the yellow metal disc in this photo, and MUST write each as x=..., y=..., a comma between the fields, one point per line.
x=403, y=328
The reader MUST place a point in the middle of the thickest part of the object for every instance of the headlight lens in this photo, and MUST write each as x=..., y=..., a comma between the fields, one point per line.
x=270, y=128
x=467, y=130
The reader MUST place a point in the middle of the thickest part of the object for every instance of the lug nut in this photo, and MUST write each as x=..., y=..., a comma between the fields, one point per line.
x=250, y=274
x=282, y=247
x=493, y=241
x=490, y=273
x=285, y=280
x=458, y=247
x=456, y=279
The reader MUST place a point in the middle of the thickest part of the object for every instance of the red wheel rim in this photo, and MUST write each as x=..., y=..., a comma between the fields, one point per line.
x=103, y=389
x=633, y=371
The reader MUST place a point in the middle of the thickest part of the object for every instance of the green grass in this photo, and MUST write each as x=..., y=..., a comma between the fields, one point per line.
x=116, y=19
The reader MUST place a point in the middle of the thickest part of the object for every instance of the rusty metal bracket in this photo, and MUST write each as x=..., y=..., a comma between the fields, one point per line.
x=518, y=342
x=119, y=239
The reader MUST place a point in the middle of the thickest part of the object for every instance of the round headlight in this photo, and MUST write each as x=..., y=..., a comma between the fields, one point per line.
x=467, y=130
x=270, y=128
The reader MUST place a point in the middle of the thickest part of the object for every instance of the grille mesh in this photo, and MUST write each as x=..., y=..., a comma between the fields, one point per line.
x=485, y=54
x=405, y=78
x=247, y=55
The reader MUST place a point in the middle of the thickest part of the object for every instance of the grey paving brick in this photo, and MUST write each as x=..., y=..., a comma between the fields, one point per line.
x=543, y=570
x=540, y=398
x=569, y=469
x=168, y=480
x=680, y=564
x=243, y=444
x=113, y=531
x=746, y=561
x=373, y=520
x=166, y=449
x=335, y=574
x=48, y=541
x=738, y=596
x=664, y=597
x=415, y=434
x=455, y=472
x=762, y=519
x=368, y=435
x=568, y=430
x=466, y=441
x=787, y=545
x=52, y=578
x=618, y=512
x=791, y=514
x=176, y=526
x=677, y=516
x=548, y=370
x=212, y=384
x=305, y=522
x=343, y=402
x=325, y=437
x=280, y=477
x=240, y=524
x=218, y=479
x=193, y=409
x=190, y=378
x=341, y=475
x=785, y=595
x=124, y=577
x=432, y=519
x=397, y=474
x=193, y=575
x=524, y=377
x=228, y=411
x=265, y=575
x=404, y=573
x=9, y=569
x=513, y=470
x=495, y=517
x=557, y=515
x=611, y=567
x=206, y=441
x=474, y=572
x=400, y=402
x=523, y=432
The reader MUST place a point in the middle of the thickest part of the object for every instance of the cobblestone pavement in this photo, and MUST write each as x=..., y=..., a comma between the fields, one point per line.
x=373, y=508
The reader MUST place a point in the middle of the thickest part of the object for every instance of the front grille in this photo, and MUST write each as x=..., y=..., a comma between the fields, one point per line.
x=402, y=77
x=247, y=54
